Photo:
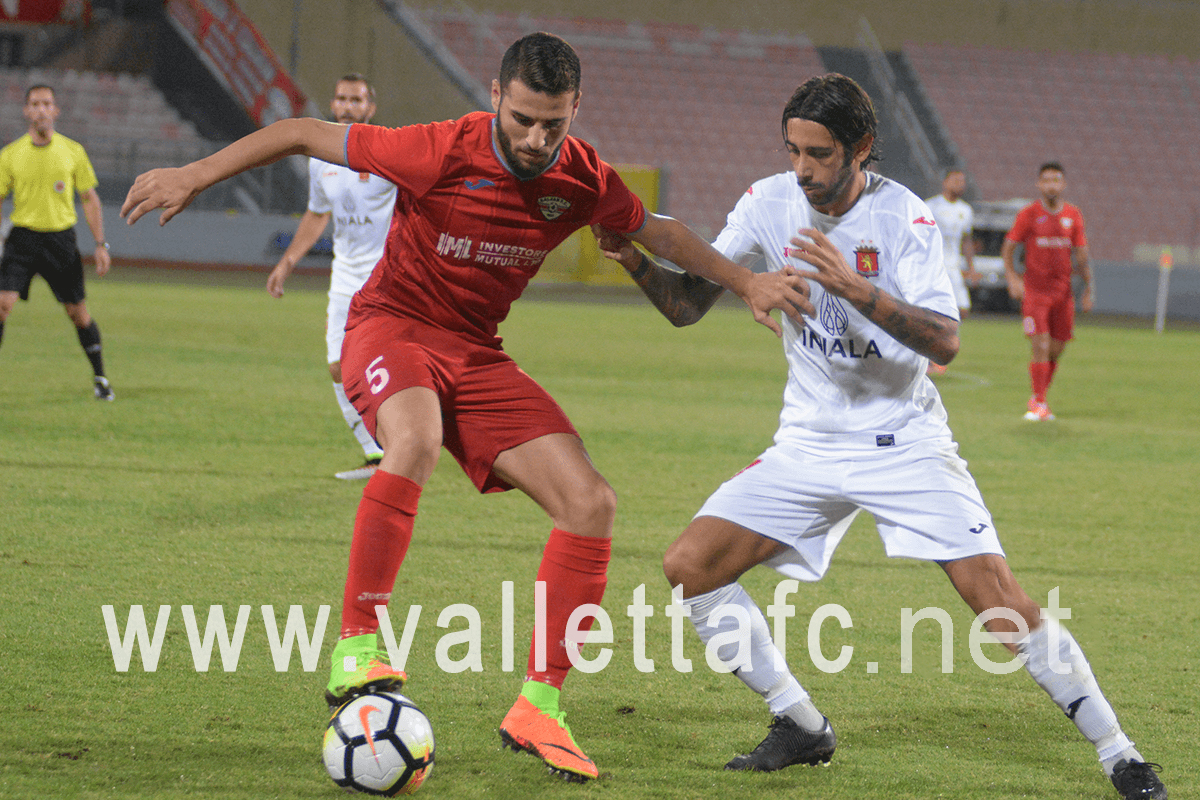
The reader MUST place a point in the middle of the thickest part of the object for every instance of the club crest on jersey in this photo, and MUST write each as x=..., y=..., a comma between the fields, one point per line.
x=60, y=186
x=552, y=207
x=866, y=260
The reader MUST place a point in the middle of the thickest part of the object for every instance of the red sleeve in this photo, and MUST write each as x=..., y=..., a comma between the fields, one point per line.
x=618, y=208
x=1020, y=228
x=410, y=157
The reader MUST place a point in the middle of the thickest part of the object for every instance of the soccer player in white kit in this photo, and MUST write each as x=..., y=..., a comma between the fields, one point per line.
x=862, y=427
x=955, y=220
x=360, y=205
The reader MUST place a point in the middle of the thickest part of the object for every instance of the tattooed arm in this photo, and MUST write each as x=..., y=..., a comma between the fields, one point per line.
x=683, y=298
x=929, y=333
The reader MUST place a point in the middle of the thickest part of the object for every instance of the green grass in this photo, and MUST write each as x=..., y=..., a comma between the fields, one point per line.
x=209, y=481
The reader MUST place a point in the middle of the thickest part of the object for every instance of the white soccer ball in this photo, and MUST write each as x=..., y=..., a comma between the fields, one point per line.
x=379, y=744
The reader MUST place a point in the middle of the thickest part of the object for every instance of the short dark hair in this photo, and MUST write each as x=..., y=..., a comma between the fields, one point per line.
x=1054, y=165
x=37, y=86
x=841, y=105
x=542, y=61
x=358, y=77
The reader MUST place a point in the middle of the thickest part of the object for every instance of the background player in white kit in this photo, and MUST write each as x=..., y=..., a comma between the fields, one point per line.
x=955, y=220
x=361, y=207
x=861, y=428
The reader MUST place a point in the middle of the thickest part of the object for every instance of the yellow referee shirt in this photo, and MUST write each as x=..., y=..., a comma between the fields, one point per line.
x=43, y=180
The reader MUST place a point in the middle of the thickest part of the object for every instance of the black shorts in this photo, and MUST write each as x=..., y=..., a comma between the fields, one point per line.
x=53, y=255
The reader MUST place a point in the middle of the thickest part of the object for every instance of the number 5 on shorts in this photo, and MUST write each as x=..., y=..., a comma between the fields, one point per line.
x=377, y=378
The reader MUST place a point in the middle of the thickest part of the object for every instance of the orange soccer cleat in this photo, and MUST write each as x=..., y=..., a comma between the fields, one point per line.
x=1038, y=411
x=528, y=728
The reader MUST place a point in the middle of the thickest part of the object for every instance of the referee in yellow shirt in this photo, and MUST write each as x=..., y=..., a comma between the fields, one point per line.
x=43, y=170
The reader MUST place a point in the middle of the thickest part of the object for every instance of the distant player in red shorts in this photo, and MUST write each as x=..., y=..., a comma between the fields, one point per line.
x=1053, y=235
x=480, y=202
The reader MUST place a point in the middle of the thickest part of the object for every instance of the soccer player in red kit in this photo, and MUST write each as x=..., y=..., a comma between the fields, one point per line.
x=480, y=202
x=1053, y=235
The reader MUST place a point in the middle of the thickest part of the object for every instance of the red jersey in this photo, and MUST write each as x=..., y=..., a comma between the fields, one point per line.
x=467, y=234
x=1048, y=240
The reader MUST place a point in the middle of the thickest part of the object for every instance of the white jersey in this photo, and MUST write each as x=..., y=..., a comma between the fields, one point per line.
x=955, y=219
x=361, y=204
x=850, y=384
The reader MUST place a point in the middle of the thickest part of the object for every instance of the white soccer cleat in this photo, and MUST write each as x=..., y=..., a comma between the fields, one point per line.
x=361, y=473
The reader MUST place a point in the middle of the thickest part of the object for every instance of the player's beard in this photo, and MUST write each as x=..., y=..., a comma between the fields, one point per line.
x=510, y=156
x=348, y=118
x=828, y=194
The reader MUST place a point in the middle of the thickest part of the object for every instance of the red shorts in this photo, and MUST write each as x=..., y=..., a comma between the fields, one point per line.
x=1052, y=314
x=489, y=404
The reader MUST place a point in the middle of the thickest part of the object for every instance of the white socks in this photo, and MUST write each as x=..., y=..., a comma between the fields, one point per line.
x=1056, y=662
x=370, y=448
x=737, y=638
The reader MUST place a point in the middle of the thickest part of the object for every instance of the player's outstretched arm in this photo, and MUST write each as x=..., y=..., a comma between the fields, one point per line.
x=762, y=292
x=174, y=189
x=929, y=333
x=311, y=226
x=683, y=298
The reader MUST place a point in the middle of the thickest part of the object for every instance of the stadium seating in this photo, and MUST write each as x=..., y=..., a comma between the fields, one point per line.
x=704, y=105
x=122, y=120
x=1124, y=128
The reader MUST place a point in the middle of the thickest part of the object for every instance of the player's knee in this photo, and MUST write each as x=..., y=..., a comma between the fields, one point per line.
x=78, y=314
x=418, y=447
x=596, y=503
x=678, y=566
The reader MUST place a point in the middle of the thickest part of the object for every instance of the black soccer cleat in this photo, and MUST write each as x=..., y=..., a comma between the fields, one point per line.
x=1136, y=780
x=102, y=389
x=787, y=744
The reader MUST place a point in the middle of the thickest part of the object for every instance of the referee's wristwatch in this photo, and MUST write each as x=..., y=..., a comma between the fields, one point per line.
x=103, y=244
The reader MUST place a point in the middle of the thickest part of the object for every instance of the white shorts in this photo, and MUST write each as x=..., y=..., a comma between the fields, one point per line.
x=961, y=295
x=925, y=503
x=335, y=325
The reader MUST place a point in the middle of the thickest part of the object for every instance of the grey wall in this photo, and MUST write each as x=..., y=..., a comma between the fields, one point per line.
x=197, y=239
x=1132, y=289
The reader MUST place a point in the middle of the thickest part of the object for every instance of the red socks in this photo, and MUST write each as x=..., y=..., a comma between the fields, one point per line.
x=382, y=532
x=1039, y=376
x=575, y=569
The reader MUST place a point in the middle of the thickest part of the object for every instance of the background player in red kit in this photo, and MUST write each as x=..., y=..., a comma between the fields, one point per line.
x=480, y=202
x=1052, y=232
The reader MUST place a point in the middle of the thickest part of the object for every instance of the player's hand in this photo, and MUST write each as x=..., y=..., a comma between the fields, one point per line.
x=1087, y=302
x=277, y=277
x=831, y=270
x=1016, y=287
x=103, y=261
x=786, y=290
x=617, y=247
x=171, y=189
x=972, y=277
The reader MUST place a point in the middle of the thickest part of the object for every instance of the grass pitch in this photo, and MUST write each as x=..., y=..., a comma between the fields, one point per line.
x=209, y=482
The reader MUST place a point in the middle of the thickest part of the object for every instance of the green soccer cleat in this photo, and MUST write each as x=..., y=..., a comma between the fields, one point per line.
x=360, y=667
